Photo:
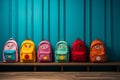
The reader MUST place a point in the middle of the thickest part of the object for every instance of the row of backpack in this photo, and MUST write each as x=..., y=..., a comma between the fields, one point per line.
x=61, y=54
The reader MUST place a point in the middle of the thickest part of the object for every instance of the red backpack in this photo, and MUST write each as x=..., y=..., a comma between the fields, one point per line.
x=79, y=51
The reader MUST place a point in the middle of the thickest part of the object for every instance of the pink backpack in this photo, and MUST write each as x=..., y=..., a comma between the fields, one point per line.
x=10, y=51
x=44, y=52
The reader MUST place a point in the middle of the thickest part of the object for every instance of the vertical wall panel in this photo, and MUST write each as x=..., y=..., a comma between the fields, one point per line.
x=87, y=22
x=61, y=9
x=74, y=20
x=87, y=25
x=116, y=30
x=108, y=30
x=13, y=15
x=38, y=29
x=98, y=27
x=29, y=18
x=54, y=32
x=4, y=24
x=21, y=21
x=46, y=18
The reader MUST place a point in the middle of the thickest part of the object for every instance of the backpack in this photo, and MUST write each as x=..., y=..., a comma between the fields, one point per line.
x=61, y=52
x=27, y=51
x=44, y=53
x=79, y=51
x=10, y=51
x=97, y=51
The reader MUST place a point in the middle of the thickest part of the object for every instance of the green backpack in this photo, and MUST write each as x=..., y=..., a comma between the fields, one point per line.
x=61, y=52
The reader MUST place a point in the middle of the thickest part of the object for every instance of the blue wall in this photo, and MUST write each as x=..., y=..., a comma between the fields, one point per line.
x=56, y=20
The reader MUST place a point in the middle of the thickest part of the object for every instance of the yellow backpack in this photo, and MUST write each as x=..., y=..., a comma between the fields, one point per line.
x=27, y=51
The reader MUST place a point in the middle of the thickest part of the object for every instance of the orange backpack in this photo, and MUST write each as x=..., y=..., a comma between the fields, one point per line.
x=97, y=51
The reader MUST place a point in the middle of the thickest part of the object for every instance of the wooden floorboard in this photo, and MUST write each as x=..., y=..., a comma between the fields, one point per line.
x=59, y=76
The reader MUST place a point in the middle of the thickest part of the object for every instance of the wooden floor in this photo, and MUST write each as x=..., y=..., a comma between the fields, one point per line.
x=59, y=75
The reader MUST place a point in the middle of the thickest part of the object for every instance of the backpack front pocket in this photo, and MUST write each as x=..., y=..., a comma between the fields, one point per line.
x=44, y=57
x=27, y=56
x=10, y=54
x=61, y=57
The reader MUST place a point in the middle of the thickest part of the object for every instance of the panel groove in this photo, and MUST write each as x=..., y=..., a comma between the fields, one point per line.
x=16, y=20
x=58, y=20
x=42, y=19
x=84, y=19
x=90, y=21
x=26, y=19
x=10, y=19
x=33, y=20
x=48, y=19
x=105, y=21
x=65, y=20
x=111, y=23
